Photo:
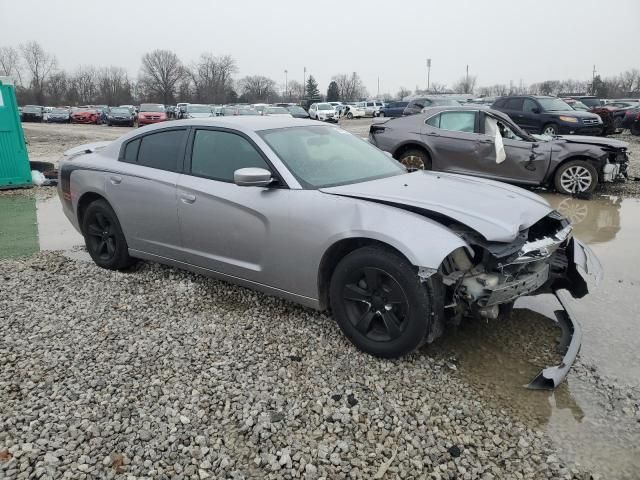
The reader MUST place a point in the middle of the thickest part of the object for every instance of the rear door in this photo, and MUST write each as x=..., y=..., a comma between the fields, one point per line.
x=455, y=141
x=143, y=191
x=530, y=116
x=237, y=231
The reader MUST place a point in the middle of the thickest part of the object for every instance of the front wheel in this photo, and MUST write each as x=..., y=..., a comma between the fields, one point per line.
x=350, y=116
x=576, y=176
x=379, y=302
x=104, y=238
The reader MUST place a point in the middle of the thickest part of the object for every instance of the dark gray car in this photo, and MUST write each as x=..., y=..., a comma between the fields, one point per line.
x=464, y=140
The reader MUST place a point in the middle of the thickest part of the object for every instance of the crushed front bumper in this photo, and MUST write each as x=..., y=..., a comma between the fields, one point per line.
x=587, y=265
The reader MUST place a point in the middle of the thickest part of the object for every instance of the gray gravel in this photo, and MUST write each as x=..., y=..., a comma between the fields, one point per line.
x=158, y=373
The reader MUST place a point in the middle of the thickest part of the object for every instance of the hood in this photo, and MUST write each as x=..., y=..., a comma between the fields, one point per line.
x=572, y=113
x=601, y=141
x=153, y=114
x=495, y=210
x=200, y=115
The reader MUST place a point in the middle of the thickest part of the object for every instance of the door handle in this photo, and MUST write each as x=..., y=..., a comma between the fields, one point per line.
x=486, y=141
x=432, y=134
x=115, y=179
x=187, y=198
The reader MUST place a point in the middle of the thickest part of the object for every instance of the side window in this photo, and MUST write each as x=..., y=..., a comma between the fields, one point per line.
x=434, y=121
x=217, y=155
x=528, y=105
x=514, y=104
x=131, y=151
x=458, y=121
x=370, y=104
x=161, y=150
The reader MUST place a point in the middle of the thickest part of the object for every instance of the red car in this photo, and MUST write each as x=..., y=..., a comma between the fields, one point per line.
x=607, y=113
x=151, y=113
x=85, y=115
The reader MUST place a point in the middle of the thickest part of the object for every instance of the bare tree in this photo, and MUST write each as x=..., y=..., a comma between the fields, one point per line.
x=211, y=77
x=113, y=86
x=296, y=90
x=437, y=88
x=350, y=87
x=403, y=92
x=160, y=73
x=10, y=63
x=57, y=88
x=257, y=88
x=40, y=65
x=83, y=86
x=466, y=84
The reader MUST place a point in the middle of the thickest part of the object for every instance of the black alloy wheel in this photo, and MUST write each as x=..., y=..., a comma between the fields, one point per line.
x=104, y=238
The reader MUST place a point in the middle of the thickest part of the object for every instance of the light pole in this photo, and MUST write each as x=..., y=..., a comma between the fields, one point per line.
x=428, y=72
x=286, y=83
x=304, y=83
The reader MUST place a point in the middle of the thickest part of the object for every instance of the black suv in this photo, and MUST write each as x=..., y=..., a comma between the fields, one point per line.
x=548, y=115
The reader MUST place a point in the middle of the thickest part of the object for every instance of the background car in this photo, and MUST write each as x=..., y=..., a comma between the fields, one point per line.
x=393, y=109
x=273, y=111
x=417, y=104
x=59, y=115
x=194, y=110
x=323, y=112
x=463, y=140
x=151, y=113
x=610, y=114
x=85, y=115
x=631, y=120
x=32, y=113
x=354, y=110
x=297, y=111
x=548, y=115
x=372, y=107
x=120, y=116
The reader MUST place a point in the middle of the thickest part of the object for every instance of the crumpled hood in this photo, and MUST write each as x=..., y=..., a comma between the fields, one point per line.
x=605, y=142
x=495, y=210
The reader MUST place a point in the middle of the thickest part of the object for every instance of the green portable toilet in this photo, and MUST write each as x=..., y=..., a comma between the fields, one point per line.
x=14, y=160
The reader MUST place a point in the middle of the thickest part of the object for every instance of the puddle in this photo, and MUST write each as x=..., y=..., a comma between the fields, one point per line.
x=28, y=225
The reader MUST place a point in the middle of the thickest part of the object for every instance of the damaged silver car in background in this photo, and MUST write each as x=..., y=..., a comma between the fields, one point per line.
x=487, y=143
x=318, y=216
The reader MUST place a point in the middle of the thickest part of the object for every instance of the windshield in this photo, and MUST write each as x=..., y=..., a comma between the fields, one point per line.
x=59, y=110
x=248, y=111
x=327, y=156
x=554, y=105
x=277, y=110
x=122, y=110
x=324, y=106
x=198, y=109
x=297, y=110
x=32, y=109
x=444, y=101
x=151, y=107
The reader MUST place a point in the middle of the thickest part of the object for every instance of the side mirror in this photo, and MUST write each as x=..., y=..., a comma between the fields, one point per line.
x=252, y=177
x=535, y=110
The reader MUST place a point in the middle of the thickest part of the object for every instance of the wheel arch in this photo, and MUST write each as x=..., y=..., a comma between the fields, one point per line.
x=412, y=145
x=84, y=201
x=597, y=164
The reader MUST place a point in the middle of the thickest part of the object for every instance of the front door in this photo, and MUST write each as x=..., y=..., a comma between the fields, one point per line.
x=237, y=231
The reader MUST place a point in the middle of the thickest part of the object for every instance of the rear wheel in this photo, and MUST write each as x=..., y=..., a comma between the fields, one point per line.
x=415, y=159
x=550, y=129
x=635, y=129
x=576, y=176
x=380, y=303
x=104, y=238
x=350, y=116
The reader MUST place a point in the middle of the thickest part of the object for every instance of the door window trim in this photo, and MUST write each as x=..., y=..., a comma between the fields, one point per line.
x=179, y=160
x=189, y=151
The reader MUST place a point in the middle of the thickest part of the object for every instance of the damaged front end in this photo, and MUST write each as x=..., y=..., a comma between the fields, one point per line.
x=543, y=259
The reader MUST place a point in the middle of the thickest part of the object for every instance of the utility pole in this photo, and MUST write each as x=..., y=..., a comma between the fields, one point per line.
x=428, y=72
x=286, y=83
x=593, y=81
x=378, y=93
x=304, y=83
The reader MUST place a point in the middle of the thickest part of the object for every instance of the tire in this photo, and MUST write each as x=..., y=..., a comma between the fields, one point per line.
x=415, y=159
x=576, y=176
x=550, y=129
x=103, y=237
x=388, y=318
x=109, y=124
x=635, y=129
x=617, y=124
x=350, y=116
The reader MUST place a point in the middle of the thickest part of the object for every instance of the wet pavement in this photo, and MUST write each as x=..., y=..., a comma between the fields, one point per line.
x=590, y=420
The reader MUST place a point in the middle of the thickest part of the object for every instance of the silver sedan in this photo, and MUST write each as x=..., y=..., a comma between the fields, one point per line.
x=311, y=213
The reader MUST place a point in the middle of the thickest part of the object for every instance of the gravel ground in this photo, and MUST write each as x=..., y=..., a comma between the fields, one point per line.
x=166, y=374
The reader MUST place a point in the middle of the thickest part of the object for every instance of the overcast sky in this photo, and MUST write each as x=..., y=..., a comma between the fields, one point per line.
x=501, y=41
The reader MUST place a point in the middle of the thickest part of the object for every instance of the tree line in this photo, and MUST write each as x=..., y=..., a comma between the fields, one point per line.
x=164, y=78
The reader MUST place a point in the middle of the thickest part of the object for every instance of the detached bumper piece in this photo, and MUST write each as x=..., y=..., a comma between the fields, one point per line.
x=550, y=377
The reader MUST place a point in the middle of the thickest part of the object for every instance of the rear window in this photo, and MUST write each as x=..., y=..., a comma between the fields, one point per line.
x=156, y=150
